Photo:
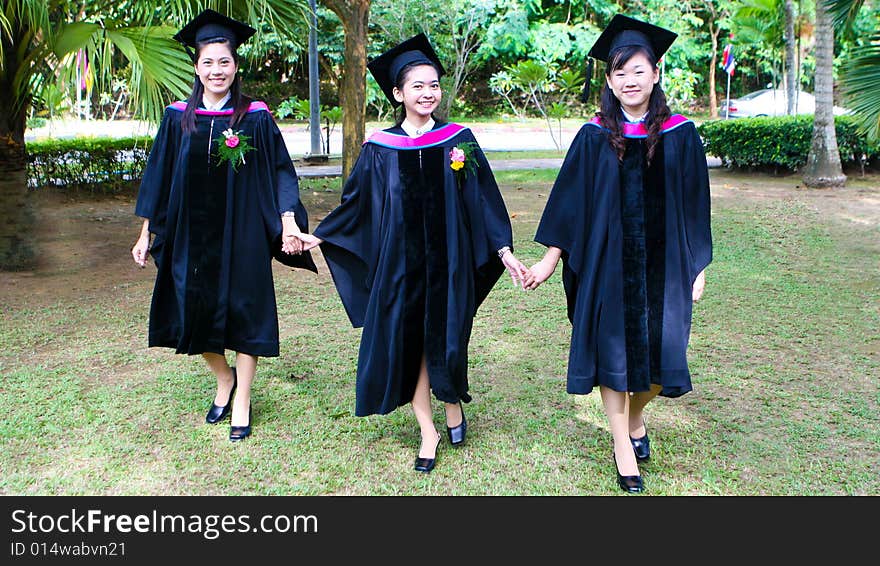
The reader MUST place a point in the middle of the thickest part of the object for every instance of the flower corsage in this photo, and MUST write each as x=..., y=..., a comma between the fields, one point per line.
x=232, y=146
x=462, y=161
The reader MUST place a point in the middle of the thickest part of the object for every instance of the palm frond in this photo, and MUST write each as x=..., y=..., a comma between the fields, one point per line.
x=860, y=86
x=843, y=12
x=158, y=67
x=73, y=37
x=18, y=15
x=288, y=18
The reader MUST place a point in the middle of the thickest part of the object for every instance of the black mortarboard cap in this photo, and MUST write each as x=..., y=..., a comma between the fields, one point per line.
x=209, y=25
x=386, y=67
x=624, y=31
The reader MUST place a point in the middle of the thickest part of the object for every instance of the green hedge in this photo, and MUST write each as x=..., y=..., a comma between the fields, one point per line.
x=108, y=164
x=781, y=142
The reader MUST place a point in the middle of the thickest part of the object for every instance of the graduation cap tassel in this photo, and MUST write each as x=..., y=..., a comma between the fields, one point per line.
x=585, y=95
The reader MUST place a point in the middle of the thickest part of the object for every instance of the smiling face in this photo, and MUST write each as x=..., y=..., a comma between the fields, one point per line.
x=633, y=83
x=216, y=69
x=420, y=93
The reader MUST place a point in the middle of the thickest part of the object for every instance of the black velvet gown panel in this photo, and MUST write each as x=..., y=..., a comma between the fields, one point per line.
x=643, y=218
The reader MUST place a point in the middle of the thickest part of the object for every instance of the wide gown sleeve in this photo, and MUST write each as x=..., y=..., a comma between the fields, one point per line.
x=563, y=222
x=350, y=233
x=152, y=199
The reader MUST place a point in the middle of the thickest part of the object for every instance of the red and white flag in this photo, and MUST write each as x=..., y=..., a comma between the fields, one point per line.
x=727, y=60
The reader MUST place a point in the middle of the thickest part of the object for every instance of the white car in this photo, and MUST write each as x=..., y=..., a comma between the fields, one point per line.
x=770, y=102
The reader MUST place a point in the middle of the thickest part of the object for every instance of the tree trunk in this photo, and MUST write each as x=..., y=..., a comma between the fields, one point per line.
x=16, y=216
x=355, y=15
x=790, y=70
x=713, y=96
x=823, y=163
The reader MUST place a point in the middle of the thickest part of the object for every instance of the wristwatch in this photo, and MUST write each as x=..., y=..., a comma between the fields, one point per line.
x=503, y=251
x=287, y=214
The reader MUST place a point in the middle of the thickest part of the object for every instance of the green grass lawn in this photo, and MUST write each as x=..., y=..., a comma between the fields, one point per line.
x=784, y=356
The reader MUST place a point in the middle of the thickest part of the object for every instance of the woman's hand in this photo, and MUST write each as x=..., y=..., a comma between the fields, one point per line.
x=140, y=250
x=142, y=247
x=699, y=285
x=542, y=270
x=290, y=236
x=516, y=269
x=309, y=241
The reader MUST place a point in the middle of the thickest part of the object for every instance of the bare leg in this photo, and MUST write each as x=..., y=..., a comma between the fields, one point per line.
x=453, y=414
x=615, y=403
x=245, y=369
x=421, y=404
x=223, y=372
x=637, y=404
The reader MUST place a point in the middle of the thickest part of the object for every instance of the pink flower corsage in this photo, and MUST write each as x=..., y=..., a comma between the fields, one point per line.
x=232, y=146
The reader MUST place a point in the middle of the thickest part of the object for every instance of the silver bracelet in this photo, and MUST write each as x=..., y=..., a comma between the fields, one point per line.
x=503, y=251
x=288, y=214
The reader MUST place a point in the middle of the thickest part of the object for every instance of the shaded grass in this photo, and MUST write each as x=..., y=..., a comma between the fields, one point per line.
x=784, y=356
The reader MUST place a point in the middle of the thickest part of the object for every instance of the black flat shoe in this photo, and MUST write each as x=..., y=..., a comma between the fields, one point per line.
x=237, y=433
x=629, y=484
x=641, y=446
x=217, y=414
x=425, y=465
x=457, y=433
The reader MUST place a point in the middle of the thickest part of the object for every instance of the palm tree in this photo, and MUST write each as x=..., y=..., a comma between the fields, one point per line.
x=860, y=78
x=39, y=40
x=823, y=167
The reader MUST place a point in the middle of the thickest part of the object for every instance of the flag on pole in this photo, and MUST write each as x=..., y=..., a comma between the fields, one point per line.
x=727, y=60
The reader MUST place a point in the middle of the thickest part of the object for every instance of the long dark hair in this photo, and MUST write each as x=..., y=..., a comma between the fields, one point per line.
x=240, y=102
x=400, y=115
x=611, y=112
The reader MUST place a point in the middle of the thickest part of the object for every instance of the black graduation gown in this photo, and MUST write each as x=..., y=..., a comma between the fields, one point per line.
x=215, y=233
x=412, y=251
x=633, y=241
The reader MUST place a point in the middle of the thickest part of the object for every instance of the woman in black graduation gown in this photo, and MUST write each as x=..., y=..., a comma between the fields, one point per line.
x=420, y=237
x=629, y=217
x=220, y=196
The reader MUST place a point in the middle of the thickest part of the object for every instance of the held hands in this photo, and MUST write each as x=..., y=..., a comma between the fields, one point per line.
x=290, y=236
x=299, y=242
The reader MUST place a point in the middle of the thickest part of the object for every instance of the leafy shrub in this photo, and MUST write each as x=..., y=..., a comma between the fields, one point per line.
x=108, y=164
x=782, y=141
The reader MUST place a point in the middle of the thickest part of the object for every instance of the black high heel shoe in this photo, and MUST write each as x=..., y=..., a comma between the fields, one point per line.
x=642, y=446
x=629, y=484
x=217, y=414
x=237, y=433
x=458, y=433
x=425, y=465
